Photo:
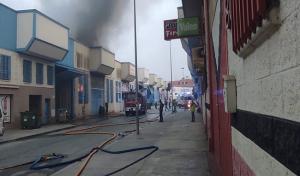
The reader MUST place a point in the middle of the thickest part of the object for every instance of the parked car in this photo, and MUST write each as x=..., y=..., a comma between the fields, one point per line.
x=184, y=101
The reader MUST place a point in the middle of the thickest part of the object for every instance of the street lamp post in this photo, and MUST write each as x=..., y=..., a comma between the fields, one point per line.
x=171, y=66
x=136, y=75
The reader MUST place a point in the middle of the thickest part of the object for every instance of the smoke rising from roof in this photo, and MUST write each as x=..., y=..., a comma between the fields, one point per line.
x=92, y=22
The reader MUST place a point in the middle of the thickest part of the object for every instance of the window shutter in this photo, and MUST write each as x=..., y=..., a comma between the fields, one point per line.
x=39, y=73
x=27, y=71
x=86, y=89
x=9, y=67
x=1, y=67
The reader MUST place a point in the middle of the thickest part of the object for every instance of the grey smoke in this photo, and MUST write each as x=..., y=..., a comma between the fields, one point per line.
x=92, y=22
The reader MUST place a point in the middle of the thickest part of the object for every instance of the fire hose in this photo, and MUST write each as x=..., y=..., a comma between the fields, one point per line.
x=36, y=164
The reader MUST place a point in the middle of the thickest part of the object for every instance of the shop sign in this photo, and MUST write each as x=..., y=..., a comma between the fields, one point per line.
x=187, y=27
x=170, y=27
x=181, y=28
x=5, y=107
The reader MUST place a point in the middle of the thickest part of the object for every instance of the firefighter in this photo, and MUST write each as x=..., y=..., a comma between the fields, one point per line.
x=161, y=109
x=193, y=109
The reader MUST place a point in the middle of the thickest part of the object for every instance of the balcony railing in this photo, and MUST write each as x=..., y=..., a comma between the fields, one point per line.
x=246, y=18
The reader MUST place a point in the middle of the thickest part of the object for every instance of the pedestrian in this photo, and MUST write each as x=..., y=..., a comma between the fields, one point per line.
x=161, y=109
x=174, y=105
x=166, y=105
x=193, y=109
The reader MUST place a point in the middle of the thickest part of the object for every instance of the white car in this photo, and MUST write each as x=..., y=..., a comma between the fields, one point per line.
x=1, y=126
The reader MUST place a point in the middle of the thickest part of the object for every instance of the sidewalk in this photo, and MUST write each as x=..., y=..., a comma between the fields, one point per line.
x=182, y=151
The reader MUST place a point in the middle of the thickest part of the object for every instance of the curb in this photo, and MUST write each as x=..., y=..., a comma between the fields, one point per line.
x=47, y=132
x=35, y=135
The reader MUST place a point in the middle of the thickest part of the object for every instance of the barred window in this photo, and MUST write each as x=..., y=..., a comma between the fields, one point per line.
x=39, y=73
x=5, y=67
x=50, y=75
x=27, y=71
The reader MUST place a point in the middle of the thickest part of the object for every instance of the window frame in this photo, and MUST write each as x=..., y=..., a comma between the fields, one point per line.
x=27, y=71
x=5, y=73
x=39, y=74
x=50, y=68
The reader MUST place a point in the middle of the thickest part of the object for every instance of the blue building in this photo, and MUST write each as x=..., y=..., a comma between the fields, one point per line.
x=30, y=45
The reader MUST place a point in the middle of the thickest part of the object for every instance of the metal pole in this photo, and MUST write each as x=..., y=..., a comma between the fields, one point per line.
x=171, y=66
x=136, y=75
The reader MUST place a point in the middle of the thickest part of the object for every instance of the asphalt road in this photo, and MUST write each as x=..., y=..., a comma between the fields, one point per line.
x=71, y=146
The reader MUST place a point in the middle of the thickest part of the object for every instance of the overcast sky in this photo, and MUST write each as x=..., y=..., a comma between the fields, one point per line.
x=109, y=23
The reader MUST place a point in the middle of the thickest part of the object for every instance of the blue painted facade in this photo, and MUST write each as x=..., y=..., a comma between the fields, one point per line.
x=187, y=45
x=8, y=28
x=150, y=95
x=69, y=58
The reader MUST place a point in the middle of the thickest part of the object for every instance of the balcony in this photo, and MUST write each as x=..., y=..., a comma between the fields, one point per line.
x=127, y=72
x=41, y=36
x=152, y=79
x=101, y=61
x=143, y=75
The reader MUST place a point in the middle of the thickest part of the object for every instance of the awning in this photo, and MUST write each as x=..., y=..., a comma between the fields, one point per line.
x=63, y=72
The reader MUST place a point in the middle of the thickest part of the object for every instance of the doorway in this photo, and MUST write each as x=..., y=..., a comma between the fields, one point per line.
x=35, y=104
x=47, y=111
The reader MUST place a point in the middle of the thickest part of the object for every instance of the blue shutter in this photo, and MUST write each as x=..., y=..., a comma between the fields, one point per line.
x=27, y=71
x=86, y=89
x=9, y=67
x=50, y=72
x=39, y=73
x=1, y=67
x=5, y=66
x=111, y=91
x=116, y=91
x=107, y=91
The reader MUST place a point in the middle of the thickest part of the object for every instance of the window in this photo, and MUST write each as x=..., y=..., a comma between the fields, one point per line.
x=79, y=60
x=5, y=67
x=50, y=75
x=118, y=92
x=109, y=91
x=39, y=73
x=27, y=72
x=83, y=93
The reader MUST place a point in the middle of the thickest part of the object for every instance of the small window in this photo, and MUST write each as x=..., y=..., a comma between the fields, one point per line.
x=107, y=90
x=39, y=73
x=111, y=93
x=118, y=92
x=5, y=67
x=50, y=75
x=27, y=71
x=80, y=63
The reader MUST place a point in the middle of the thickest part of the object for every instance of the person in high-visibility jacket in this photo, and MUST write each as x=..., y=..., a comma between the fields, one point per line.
x=193, y=109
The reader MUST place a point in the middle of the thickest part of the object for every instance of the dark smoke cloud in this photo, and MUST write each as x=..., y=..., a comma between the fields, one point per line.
x=92, y=22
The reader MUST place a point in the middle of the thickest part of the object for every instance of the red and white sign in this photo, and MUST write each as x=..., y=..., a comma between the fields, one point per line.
x=170, y=31
x=5, y=107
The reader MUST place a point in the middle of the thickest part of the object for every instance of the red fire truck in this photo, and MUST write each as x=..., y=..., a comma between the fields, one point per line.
x=130, y=105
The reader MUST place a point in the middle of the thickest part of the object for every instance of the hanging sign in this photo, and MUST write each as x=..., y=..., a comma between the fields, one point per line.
x=181, y=28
